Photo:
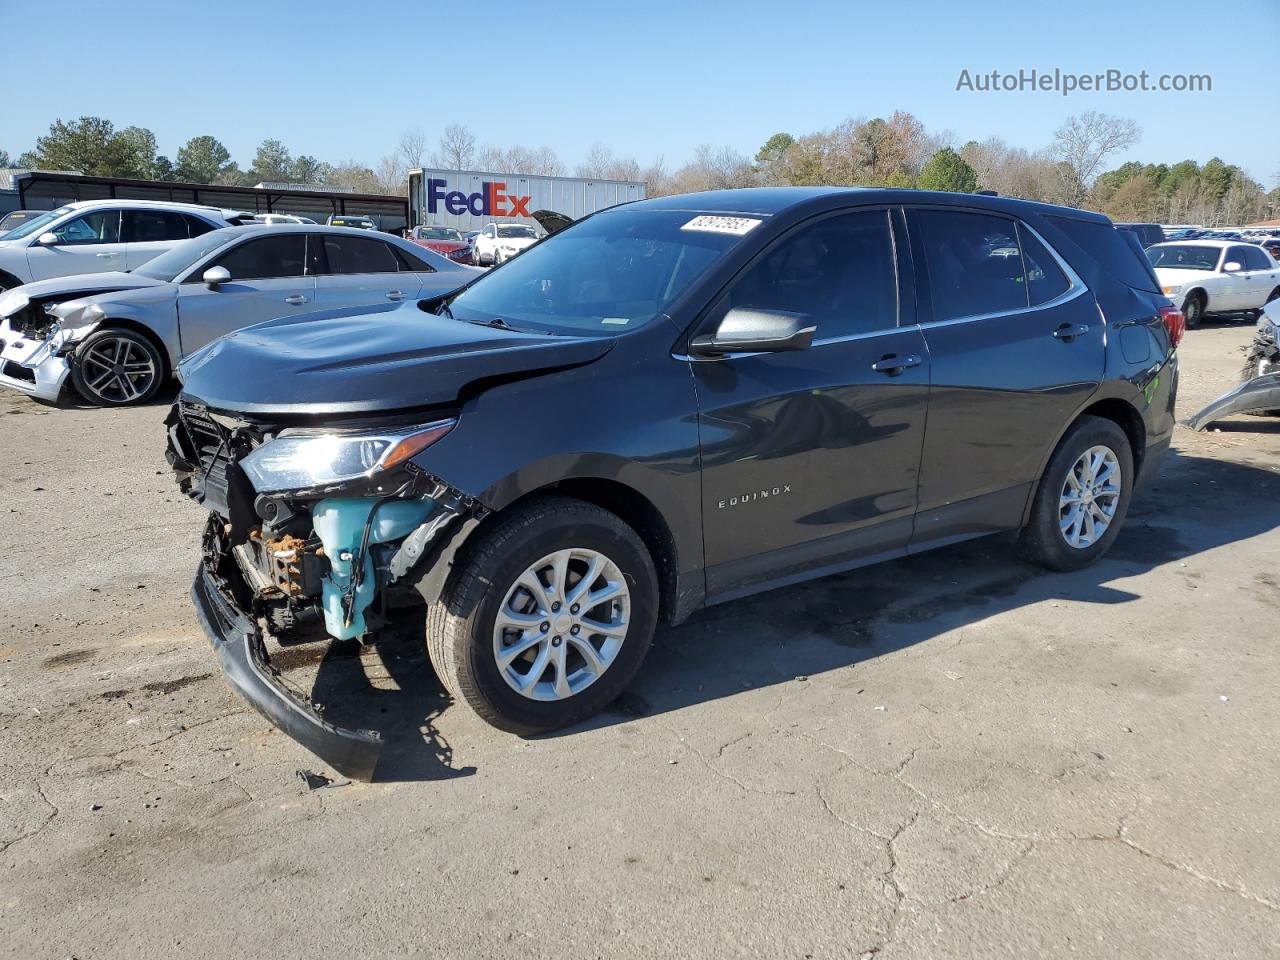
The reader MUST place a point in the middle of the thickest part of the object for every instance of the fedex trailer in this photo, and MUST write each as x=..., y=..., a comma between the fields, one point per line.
x=468, y=199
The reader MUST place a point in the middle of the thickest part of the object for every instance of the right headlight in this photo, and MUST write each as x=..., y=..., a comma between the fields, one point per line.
x=305, y=460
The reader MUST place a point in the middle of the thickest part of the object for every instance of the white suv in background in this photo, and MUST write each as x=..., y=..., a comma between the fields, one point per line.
x=100, y=236
x=502, y=241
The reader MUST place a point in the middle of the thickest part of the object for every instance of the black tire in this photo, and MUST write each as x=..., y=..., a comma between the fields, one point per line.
x=460, y=627
x=1193, y=309
x=127, y=389
x=1042, y=540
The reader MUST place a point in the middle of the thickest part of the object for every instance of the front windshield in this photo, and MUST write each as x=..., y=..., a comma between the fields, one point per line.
x=35, y=225
x=610, y=273
x=1184, y=256
x=438, y=233
x=517, y=230
x=178, y=258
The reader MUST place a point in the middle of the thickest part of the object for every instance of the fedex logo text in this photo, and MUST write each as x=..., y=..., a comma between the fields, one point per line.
x=491, y=200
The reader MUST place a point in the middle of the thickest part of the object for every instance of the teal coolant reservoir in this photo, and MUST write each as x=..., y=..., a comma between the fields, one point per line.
x=339, y=523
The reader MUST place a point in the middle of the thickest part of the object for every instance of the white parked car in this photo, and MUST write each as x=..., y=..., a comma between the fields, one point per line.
x=280, y=218
x=502, y=241
x=94, y=236
x=1215, y=276
x=118, y=336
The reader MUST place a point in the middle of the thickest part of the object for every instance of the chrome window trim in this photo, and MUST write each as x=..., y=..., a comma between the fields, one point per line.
x=1076, y=288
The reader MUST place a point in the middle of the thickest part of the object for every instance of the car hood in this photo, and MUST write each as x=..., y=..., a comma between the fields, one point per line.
x=366, y=360
x=1176, y=277
x=75, y=287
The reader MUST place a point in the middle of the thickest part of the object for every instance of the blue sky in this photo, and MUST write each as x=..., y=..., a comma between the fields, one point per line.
x=342, y=80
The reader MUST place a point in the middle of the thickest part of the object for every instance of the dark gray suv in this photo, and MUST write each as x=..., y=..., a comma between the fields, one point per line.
x=669, y=404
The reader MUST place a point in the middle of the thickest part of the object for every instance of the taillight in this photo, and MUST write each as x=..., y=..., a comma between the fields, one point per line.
x=1174, y=322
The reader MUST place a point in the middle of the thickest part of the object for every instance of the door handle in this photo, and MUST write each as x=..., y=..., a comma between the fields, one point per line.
x=891, y=364
x=1069, y=331
x=296, y=299
x=106, y=254
x=396, y=295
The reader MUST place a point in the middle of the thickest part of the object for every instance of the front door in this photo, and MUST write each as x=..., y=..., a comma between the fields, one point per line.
x=89, y=243
x=269, y=279
x=1017, y=345
x=810, y=458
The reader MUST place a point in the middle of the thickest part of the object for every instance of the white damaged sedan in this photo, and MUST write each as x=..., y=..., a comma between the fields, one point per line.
x=118, y=336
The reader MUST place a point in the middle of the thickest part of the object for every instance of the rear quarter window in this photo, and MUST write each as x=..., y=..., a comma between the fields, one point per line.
x=1105, y=244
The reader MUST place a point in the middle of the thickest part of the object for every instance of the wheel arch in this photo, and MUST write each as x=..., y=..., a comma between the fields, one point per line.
x=124, y=323
x=635, y=510
x=1119, y=411
x=9, y=280
x=1200, y=292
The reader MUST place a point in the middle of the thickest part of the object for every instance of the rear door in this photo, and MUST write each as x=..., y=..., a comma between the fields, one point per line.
x=270, y=278
x=1261, y=276
x=363, y=271
x=148, y=233
x=810, y=458
x=1016, y=345
x=89, y=243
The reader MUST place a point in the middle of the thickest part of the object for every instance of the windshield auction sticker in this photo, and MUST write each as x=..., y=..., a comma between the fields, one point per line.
x=734, y=226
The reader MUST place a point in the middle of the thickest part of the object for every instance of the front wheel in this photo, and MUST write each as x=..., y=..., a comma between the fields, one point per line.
x=1193, y=310
x=117, y=367
x=1082, y=497
x=548, y=617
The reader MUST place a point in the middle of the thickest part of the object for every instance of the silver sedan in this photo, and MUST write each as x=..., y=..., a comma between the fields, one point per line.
x=118, y=336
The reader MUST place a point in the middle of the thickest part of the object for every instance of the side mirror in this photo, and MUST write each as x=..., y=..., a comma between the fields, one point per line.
x=743, y=330
x=216, y=275
x=47, y=239
x=1231, y=266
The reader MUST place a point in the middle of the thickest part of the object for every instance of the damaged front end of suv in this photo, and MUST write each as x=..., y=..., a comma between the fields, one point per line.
x=309, y=527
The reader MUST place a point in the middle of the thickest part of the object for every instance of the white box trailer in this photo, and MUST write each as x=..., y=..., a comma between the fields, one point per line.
x=468, y=199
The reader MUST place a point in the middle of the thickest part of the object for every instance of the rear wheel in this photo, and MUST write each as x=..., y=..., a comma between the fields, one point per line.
x=1193, y=309
x=547, y=619
x=1082, y=498
x=117, y=367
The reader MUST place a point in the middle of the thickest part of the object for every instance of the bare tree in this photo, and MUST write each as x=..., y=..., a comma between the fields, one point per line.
x=1083, y=143
x=602, y=164
x=457, y=147
x=412, y=148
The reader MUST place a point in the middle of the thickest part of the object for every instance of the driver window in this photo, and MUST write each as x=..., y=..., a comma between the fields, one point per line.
x=269, y=258
x=100, y=226
x=840, y=271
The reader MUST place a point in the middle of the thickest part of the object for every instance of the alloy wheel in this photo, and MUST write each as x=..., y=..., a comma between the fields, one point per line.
x=561, y=624
x=117, y=369
x=1090, y=496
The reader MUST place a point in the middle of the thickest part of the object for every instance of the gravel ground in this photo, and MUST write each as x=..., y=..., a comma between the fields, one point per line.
x=952, y=756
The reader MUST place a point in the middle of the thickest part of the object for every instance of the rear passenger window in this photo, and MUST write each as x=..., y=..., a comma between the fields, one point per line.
x=974, y=264
x=840, y=271
x=148, y=226
x=1255, y=258
x=1045, y=279
x=196, y=226
x=358, y=255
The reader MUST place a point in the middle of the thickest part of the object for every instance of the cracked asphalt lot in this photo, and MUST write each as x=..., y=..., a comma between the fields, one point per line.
x=953, y=756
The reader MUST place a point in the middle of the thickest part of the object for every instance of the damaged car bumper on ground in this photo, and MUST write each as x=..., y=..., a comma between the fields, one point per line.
x=1259, y=389
x=328, y=560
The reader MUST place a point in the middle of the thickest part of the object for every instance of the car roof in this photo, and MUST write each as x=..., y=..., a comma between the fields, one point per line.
x=768, y=201
x=1204, y=242
x=144, y=204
